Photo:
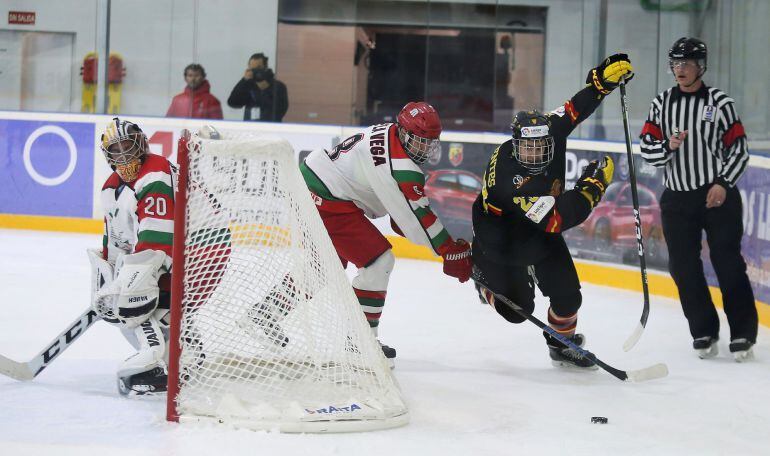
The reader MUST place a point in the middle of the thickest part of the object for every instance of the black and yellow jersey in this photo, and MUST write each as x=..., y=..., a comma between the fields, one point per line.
x=518, y=214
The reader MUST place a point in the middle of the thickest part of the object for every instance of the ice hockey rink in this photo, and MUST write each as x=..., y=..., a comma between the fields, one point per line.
x=475, y=384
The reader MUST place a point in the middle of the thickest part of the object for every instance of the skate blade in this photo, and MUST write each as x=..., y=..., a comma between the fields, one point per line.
x=570, y=366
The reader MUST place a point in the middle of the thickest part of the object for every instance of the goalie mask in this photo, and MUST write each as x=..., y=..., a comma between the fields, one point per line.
x=532, y=142
x=124, y=146
x=418, y=130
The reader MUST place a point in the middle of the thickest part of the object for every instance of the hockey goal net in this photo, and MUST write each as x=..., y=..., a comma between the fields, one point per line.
x=266, y=332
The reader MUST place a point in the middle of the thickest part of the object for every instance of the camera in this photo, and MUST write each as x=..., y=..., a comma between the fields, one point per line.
x=261, y=74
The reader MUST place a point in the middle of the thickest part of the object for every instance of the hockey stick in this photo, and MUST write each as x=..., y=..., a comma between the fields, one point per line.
x=634, y=338
x=648, y=373
x=25, y=371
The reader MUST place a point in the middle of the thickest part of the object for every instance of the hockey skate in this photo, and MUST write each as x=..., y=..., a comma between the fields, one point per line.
x=387, y=351
x=742, y=349
x=149, y=382
x=562, y=356
x=706, y=347
x=261, y=322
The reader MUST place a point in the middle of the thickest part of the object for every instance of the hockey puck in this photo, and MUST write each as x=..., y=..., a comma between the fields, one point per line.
x=599, y=419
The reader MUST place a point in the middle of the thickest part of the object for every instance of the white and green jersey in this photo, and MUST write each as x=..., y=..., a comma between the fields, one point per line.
x=140, y=215
x=372, y=170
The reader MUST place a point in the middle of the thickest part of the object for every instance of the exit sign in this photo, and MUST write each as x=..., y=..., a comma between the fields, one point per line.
x=21, y=17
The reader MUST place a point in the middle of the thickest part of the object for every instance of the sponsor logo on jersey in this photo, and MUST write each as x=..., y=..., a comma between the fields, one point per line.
x=541, y=208
x=455, y=154
x=708, y=113
x=559, y=111
x=332, y=409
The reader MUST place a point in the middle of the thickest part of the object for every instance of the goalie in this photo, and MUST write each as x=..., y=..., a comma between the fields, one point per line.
x=375, y=173
x=522, y=210
x=131, y=273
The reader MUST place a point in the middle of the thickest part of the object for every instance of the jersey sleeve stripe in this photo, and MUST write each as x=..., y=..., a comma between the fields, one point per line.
x=157, y=187
x=733, y=133
x=315, y=184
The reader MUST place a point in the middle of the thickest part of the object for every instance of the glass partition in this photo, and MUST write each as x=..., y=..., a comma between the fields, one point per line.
x=355, y=62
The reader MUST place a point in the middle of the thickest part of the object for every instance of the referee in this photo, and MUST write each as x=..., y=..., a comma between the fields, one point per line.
x=695, y=134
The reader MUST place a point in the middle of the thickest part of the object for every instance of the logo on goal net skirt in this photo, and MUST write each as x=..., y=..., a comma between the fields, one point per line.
x=334, y=409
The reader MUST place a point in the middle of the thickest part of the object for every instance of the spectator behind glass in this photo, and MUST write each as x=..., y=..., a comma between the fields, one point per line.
x=196, y=101
x=263, y=97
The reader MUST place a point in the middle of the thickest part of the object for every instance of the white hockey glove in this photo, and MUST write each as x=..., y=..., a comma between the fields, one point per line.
x=133, y=296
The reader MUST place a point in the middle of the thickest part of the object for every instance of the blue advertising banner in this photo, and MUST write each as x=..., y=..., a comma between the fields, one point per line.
x=46, y=168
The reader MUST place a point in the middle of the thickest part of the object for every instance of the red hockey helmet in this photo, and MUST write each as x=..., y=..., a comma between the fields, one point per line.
x=419, y=127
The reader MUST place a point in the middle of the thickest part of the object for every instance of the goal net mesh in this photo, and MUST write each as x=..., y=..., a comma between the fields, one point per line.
x=271, y=334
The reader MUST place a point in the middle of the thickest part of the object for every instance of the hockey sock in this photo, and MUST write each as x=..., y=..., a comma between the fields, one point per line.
x=371, y=304
x=562, y=325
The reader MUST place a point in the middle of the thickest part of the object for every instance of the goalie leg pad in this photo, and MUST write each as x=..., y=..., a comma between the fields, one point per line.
x=145, y=371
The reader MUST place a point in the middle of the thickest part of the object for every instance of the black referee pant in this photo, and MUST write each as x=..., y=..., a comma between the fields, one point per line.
x=685, y=217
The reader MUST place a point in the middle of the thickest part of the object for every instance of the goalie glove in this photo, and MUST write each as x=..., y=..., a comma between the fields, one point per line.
x=101, y=276
x=132, y=297
x=457, y=260
x=595, y=179
x=607, y=75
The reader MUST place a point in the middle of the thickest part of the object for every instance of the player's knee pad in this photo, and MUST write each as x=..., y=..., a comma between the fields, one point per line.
x=511, y=315
x=566, y=304
x=375, y=275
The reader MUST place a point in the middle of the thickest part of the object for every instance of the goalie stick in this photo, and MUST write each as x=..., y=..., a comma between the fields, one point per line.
x=634, y=337
x=25, y=371
x=648, y=373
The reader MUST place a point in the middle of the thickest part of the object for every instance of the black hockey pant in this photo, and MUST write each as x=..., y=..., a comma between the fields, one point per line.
x=556, y=278
x=685, y=217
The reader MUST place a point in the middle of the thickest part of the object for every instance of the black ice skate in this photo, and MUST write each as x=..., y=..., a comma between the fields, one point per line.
x=742, y=349
x=706, y=347
x=144, y=383
x=562, y=356
x=261, y=322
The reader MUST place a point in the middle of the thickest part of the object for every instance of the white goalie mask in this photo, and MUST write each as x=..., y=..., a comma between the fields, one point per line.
x=124, y=145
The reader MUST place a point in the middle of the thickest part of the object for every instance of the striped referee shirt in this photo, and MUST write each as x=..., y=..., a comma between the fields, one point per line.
x=715, y=150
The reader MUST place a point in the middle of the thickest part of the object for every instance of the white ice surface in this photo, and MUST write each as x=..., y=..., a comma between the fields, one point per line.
x=475, y=384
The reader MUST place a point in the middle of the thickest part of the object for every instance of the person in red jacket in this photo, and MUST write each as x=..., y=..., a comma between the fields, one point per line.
x=196, y=101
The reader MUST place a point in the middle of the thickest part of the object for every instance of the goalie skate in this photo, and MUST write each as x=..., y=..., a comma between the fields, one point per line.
x=150, y=382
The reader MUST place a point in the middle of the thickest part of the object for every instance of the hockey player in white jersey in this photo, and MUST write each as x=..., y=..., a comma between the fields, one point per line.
x=130, y=280
x=376, y=173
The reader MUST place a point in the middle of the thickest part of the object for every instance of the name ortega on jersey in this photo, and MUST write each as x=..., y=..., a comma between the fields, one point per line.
x=377, y=144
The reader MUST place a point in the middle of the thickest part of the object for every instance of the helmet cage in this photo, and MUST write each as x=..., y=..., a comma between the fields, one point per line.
x=418, y=148
x=534, y=154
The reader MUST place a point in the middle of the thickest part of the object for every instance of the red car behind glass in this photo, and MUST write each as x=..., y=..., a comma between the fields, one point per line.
x=612, y=224
x=451, y=193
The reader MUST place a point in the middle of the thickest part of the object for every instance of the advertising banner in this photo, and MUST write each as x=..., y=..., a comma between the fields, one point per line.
x=46, y=168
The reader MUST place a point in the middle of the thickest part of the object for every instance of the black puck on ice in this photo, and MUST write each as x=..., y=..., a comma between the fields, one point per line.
x=599, y=419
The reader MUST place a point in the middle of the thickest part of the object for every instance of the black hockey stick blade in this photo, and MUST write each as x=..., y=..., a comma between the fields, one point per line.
x=648, y=373
x=637, y=334
x=25, y=371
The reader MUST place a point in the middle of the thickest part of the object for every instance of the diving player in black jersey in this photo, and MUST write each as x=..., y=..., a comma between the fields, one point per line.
x=523, y=208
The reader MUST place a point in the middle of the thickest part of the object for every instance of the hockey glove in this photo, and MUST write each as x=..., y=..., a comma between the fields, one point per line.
x=607, y=75
x=133, y=296
x=595, y=179
x=457, y=260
